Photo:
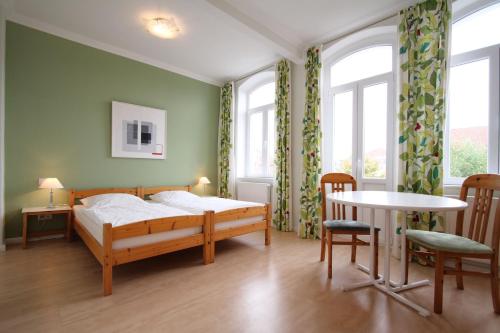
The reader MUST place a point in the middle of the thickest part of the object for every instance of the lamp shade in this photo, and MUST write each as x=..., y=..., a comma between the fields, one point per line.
x=51, y=183
x=203, y=181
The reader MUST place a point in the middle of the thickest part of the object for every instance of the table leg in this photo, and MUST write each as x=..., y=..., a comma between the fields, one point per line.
x=384, y=283
x=373, y=279
x=387, y=252
x=401, y=286
x=403, y=262
x=371, y=220
x=25, y=230
x=68, y=226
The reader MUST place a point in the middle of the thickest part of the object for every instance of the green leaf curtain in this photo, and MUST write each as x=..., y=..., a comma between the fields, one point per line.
x=310, y=197
x=225, y=185
x=423, y=36
x=282, y=217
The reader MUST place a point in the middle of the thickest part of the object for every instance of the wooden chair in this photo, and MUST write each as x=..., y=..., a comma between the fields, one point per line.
x=442, y=246
x=340, y=225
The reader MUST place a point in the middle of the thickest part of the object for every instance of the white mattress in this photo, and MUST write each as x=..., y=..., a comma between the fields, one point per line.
x=93, y=220
x=200, y=204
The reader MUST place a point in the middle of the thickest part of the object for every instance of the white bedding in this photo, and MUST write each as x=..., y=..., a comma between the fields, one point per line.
x=94, y=218
x=197, y=205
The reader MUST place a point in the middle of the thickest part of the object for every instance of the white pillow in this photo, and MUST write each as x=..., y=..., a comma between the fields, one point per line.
x=110, y=199
x=170, y=196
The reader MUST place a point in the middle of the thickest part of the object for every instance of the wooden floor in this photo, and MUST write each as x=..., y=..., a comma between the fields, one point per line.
x=55, y=286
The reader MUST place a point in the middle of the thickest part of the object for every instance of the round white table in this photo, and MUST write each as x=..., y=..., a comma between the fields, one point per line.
x=393, y=201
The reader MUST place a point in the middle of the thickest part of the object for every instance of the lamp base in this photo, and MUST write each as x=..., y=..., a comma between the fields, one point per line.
x=51, y=200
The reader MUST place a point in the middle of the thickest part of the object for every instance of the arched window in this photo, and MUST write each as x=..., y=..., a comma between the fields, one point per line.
x=255, y=141
x=477, y=30
x=358, y=107
x=362, y=64
x=471, y=136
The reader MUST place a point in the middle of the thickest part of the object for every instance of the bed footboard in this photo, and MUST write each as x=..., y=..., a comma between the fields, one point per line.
x=109, y=257
x=238, y=214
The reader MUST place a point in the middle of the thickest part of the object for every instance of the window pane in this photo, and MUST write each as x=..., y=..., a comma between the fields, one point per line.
x=468, y=112
x=342, y=132
x=374, y=130
x=361, y=65
x=262, y=96
x=271, y=144
x=477, y=30
x=255, y=144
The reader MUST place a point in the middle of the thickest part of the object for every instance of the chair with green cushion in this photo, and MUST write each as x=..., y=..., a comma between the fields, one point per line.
x=340, y=225
x=442, y=246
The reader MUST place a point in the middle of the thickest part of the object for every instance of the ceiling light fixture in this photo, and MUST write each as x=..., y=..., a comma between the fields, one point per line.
x=163, y=27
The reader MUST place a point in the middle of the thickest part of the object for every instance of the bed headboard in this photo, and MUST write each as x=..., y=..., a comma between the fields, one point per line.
x=147, y=191
x=76, y=195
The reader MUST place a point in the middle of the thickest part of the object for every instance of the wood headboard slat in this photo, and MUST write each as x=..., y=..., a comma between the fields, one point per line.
x=81, y=194
x=157, y=189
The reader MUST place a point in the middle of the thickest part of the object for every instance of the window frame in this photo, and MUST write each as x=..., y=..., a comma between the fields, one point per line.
x=265, y=110
x=244, y=89
x=492, y=53
x=382, y=36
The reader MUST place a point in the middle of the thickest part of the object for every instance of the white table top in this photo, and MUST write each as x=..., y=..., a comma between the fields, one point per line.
x=397, y=201
x=45, y=209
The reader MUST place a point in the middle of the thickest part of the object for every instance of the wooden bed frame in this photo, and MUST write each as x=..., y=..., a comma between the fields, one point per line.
x=109, y=257
x=225, y=216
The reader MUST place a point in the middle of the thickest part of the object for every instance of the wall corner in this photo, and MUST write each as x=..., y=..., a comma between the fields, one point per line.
x=3, y=13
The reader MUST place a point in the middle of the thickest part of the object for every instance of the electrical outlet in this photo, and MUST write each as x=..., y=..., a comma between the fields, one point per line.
x=45, y=217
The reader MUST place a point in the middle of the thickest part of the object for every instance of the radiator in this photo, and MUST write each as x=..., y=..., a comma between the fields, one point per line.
x=254, y=192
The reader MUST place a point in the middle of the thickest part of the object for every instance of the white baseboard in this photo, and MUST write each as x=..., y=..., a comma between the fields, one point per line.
x=18, y=240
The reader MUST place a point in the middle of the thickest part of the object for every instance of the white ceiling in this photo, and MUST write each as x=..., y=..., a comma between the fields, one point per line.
x=220, y=39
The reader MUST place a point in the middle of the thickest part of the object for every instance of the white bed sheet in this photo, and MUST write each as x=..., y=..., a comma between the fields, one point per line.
x=93, y=220
x=198, y=205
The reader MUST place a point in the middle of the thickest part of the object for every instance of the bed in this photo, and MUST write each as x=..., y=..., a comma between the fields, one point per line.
x=114, y=240
x=231, y=217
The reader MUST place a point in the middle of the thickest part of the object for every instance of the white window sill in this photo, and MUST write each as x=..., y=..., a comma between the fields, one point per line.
x=268, y=180
x=451, y=189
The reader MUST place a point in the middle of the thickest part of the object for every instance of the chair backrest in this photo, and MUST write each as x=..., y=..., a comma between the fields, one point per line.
x=484, y=185
x=337, y=182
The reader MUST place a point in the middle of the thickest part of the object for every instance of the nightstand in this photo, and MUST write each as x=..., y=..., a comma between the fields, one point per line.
x=40, y=211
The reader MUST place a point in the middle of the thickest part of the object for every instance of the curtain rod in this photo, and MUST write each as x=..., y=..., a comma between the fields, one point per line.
x=365, y=26
x=330, y=41
x=324, y=43
x=350, y=32
x=262, y=69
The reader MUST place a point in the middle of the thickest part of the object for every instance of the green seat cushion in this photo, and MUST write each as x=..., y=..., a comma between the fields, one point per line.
x=347, y=225
x=447, y=242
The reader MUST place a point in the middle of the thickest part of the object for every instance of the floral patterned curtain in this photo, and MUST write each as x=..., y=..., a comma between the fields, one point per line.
x=282, y=218
x=225, y=146
x=310, y=197
x=423, y=35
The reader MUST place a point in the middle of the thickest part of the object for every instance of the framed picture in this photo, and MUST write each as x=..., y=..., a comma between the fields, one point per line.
x=138, y=131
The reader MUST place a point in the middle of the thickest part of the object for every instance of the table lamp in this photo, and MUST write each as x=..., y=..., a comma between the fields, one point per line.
x=203, y=181
x=51, y=183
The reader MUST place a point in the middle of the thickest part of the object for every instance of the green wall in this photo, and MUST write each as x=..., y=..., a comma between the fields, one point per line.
x=58, y=121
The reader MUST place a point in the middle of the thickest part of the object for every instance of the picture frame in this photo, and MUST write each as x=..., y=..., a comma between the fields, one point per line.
x=138, y=131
